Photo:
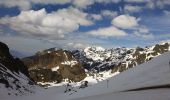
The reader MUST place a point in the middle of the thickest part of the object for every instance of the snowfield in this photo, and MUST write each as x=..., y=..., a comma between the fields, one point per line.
x=159, y=94
x=153, y=73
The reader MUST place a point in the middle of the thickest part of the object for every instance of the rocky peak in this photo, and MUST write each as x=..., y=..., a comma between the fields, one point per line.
x=119, y=58
x=51, y=63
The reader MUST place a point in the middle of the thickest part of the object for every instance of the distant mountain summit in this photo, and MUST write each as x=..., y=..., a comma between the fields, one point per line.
x=57, y=65
x=14, y=75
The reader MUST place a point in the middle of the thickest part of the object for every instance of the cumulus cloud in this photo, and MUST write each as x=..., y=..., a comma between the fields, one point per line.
x=108, y=32
x=41, y=23
x=130, y=22
x=125, y=22
x=109, y=13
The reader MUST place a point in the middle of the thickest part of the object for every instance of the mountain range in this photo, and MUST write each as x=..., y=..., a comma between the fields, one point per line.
x=58, y=65
x=120, y=70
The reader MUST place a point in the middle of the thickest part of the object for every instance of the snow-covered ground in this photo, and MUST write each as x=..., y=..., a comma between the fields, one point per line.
x=158, y=94
x=153, y=73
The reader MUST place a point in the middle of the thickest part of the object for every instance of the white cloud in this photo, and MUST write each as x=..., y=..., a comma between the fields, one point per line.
x=107, y=1
x=130, y=8
x=125, y=22
x=137, y=1
x=22, y=4
x=95, y=17
x=166, y=2
x=107, y=32
x=76, y=45
x=85, y=3
x=156, y=4
x=143, y=32
x=145, y=35
x=151, y=4
x=109, y=13
x=82, y=3
x=26, y=4
x=40, y=23
x=50, y=1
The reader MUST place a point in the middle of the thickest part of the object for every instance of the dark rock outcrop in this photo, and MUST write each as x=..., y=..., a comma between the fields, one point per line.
x=13, y=64
x=58, y=64
x=13, y=73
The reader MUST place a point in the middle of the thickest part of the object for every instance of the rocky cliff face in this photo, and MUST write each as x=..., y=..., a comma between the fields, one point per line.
x=54, y=66
x=13, y=73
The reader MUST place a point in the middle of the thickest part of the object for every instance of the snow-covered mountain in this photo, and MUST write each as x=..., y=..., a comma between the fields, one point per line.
x=151, y=77
x=93, y=64
x=118, y=59
x=14, y=76
x=148, y=81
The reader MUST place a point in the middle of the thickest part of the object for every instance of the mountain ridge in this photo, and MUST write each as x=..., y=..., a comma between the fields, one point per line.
x=91, y=61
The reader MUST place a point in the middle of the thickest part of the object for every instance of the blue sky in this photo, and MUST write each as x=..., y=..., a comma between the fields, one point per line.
x=32, y=25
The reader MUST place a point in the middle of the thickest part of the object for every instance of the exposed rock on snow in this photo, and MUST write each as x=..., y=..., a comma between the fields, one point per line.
x=14, y=77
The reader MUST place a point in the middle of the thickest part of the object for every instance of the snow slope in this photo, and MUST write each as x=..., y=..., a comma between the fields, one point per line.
x=153, y=73
x=159, y=94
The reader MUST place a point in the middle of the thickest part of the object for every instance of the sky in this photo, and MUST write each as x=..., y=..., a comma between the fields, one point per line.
x=29, y=26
